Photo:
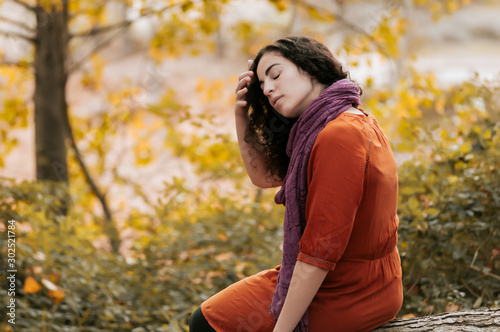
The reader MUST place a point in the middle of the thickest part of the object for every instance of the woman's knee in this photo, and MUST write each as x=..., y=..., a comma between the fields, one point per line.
x=198, y=322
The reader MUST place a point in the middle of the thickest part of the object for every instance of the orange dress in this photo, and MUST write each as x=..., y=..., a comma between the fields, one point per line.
x=351, y=231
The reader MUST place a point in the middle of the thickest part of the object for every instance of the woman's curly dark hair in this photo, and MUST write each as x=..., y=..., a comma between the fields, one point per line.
x=267, y=128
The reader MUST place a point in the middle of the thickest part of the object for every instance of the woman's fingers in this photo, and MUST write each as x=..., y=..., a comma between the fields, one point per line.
x=242, y=87
x=243, y=83
x=241, y=103
x=240, y=95
x=240, y=98
x=245, y=74
x=241, y=91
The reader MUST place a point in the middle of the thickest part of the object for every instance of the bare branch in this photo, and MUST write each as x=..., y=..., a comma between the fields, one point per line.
x=466, y=285
x=123, y=24
x=25, y=5
x=105, y=43
x=345, y=22
x=111, y=228
x=17, y=23
x=482, y=271
x=10, y=34
x=21, y=65
x=120, y=26
x=159, y=11
x=97, y=30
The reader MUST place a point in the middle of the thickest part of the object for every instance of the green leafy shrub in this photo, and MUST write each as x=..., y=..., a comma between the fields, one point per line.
x=194, y=250
x=449, y=203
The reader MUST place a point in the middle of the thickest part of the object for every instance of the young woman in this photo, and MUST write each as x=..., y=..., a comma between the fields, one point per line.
x=299, y=127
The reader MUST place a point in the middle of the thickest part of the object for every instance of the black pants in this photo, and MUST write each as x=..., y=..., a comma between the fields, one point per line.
x=198, y=322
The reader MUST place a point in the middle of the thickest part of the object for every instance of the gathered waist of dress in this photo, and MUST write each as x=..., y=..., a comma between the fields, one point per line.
x=390, y=254
x=349, y=269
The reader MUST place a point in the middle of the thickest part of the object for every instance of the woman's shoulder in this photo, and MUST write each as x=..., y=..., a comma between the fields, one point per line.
x=346, y=138
x=346, y=127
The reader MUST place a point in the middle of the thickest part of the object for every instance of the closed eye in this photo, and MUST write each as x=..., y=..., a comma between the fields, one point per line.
x=276, y=76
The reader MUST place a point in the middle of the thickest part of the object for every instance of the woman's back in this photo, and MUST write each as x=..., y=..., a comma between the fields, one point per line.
x=352, y=223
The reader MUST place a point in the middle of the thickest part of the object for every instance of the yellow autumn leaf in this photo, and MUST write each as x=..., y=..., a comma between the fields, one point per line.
x=440, y=106
x=31, y=286
x=280, y=5
x=466, y=147
x=408, y=190
x=73, y=6
x=452, y=6
x=222, y=236
x=432, y=211
x=413, y=203
x=410, y=315
x=477, y=129
x=56, y=295
x=452, y=179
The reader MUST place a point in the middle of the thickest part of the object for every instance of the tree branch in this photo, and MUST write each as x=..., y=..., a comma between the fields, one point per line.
x=10, y=34
x=17, y=23
x=111, y=230
x=25, y=5
x=20, y=65
x=97, y=48
x=123, y=24
x=161, y=10
x=327, y=12
x=344, y=22
x=97, y=30
x=482, y=271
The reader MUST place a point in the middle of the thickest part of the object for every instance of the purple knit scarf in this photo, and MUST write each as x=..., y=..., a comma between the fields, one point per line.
x=335, y=99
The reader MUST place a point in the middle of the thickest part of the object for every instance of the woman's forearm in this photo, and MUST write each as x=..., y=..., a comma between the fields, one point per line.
x=306, y=280
x=253, y=159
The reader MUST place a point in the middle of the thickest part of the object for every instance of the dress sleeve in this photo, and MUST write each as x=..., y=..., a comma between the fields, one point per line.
x=335, y=177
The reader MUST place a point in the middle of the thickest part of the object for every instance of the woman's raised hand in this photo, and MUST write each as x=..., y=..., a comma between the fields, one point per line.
x=242, y=89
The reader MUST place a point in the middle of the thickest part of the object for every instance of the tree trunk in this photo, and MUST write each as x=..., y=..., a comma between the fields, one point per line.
x=50, y=97
x=484, y=320
x=52, y=126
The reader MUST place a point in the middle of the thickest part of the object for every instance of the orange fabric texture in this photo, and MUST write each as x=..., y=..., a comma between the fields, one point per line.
x=351, y=231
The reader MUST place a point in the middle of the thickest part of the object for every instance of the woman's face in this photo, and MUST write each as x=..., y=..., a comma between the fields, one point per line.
x=289, y=90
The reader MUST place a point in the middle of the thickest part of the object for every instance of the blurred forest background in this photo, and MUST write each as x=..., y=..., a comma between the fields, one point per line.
x=119, y=163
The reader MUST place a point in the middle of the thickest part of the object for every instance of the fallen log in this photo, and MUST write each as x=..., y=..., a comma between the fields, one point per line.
x=480, y=320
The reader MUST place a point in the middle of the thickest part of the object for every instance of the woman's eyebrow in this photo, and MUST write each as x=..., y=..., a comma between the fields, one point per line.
x=269, y=68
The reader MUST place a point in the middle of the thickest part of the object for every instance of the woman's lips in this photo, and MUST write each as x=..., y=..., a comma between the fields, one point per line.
x=275, y=100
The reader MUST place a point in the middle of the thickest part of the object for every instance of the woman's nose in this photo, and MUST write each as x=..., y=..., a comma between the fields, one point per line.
x=267, y=89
